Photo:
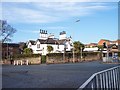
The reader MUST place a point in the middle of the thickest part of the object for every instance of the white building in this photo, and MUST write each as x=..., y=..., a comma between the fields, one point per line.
x=59, y=45
x=93, y=49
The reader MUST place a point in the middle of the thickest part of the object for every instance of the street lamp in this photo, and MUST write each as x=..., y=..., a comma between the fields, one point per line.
x=73, y=44
x=81, y=52
x=73, y=54
x=7, y=51
x=107, y=53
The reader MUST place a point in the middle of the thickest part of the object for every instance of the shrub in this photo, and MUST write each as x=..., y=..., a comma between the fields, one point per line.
x=43, y=59
x=28, y=51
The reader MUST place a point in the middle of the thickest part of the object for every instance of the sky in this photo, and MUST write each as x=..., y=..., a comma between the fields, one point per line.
x=98, y=20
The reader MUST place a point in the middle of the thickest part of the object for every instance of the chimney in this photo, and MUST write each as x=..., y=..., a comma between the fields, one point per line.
x=62, y=35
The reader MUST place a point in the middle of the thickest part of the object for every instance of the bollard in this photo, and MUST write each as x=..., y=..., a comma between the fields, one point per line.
x=26, y=62
x=14, y=63
x=17, y=62
x=21, y=62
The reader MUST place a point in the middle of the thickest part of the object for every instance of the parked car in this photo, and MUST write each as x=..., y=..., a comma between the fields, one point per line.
x=115, y=57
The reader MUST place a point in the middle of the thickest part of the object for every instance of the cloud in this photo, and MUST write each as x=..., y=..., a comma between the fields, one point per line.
x=48, y=12
x=27, y=15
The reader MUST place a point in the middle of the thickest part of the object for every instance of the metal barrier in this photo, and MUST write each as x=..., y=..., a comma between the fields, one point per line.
x=104, y=80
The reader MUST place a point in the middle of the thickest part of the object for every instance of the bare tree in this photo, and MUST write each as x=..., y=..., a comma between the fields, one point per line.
x=6, y=31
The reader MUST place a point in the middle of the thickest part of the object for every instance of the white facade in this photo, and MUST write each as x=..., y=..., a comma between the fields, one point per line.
x=59, y=45
x=63, y=36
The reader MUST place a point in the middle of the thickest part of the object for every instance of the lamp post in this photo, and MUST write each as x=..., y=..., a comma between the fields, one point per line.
x=73, y=43
x=73, y=53
x=7, y=51
x=81, y=52
x=107, y=53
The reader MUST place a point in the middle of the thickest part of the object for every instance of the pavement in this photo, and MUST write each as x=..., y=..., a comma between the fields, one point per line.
x=70, y=75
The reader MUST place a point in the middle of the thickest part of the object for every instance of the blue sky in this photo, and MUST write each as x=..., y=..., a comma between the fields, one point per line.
x=98, y=20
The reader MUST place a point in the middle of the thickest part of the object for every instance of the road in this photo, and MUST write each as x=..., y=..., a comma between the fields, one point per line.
x=70, y=75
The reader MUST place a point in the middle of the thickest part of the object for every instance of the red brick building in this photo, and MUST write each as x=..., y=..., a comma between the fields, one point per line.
x=104, y=41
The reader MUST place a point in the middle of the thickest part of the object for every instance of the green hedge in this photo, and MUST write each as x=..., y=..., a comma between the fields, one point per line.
x=43, y=59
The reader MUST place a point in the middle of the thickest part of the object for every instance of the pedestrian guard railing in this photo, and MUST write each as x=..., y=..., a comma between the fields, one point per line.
x=104, y=80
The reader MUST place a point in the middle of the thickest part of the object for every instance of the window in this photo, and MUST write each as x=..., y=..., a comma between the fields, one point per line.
x=38, y=45
x=66, y=46
x=58, y=47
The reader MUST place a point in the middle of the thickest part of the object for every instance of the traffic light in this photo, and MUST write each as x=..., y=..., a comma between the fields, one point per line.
x=104, y=45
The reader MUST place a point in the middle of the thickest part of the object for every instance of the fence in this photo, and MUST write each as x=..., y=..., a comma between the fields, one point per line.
x=103, y=80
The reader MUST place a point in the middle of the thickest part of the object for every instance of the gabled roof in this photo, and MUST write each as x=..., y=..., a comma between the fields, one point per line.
x=105, y=40
x=41, y=41
x=111, y=45
x=32, y=42
x=48, y=41
x=51, y=41
x=63, y=41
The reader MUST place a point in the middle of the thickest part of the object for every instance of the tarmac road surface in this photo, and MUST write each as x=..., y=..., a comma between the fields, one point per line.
x=70, y=75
